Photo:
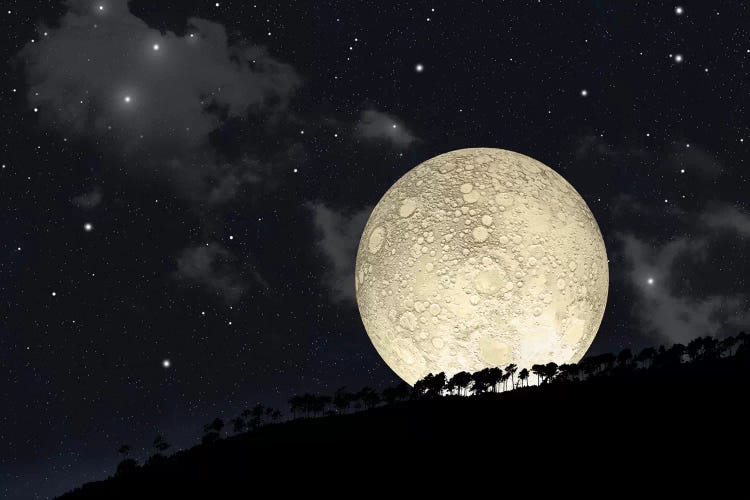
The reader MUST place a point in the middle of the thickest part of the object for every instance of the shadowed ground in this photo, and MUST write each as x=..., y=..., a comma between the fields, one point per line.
x=696, y=405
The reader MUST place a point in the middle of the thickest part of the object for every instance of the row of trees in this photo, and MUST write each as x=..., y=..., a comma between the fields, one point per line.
x=249, y=419
x=496, y=379
x=493, y=379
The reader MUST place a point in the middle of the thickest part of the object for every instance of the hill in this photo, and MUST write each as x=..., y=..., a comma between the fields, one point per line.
x=697, y=403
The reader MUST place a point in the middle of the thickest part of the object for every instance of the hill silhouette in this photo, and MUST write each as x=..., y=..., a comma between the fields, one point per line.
x=682, y=395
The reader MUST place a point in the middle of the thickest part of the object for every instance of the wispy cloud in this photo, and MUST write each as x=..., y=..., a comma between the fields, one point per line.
x=377, y=126
x=338, y=234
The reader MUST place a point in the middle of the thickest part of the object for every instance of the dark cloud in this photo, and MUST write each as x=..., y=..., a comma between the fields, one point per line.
x=381, y=127
x=211, y=266
x=693, y=159
x=664, y=306
x=153, y=103
x=727, y=217
x=593, y=147
x=338, y=237
x=91, y=199
x=634, y=156
x=97, y=76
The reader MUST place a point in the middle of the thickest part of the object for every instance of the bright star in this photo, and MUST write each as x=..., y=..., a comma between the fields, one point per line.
x=419, y=68
x=88, y=227
x=678, y=58
x=101, y=7
x=650, y=281
x=584, y=93
x=156, y=46
x=394, y=125
x=166, y=363
x=127, y=98
x=678, y=10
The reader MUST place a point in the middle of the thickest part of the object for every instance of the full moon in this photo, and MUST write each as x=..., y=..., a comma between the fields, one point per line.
x=478, y=258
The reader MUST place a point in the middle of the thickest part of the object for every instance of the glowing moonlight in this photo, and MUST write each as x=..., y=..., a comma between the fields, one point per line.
x=476, y=258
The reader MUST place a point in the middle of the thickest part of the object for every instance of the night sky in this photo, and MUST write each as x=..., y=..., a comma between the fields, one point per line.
x=184, y=184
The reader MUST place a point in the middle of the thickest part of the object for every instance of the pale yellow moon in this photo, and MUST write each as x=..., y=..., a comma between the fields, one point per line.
x=480, y=257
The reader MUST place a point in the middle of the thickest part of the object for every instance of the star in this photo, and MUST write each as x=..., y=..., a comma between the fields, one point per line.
x=682, y=170
x=678, y=58
x=101, y=7
x=54, y=294
x=295, y=170
x=156, y=46
x=650, y=281
x=127, y=98
x=678, y=10
x=88, y=227
x=166, y=363
x=584, y=93
x=394, y=125
x=419, y=68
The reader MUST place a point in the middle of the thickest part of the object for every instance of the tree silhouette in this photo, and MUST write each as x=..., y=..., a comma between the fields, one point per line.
x=212, y=431
x=398, y=392
x=695, y=349
x=256, y=419
x=710, y=348
x=161, y=444
x=504, y=379
x=568, y=371
x=431, y=385
x=276, y=415
x=318, y=404
x=523, y=375
x=238, y=424
x=369, y=397
x=495, y=376
x=124, y=451
x=605, y=362
x=295, y=404
x=669, y=357
x=125, y=467
x=481, y=381
x=461, y=380
x=538, y=370
x=511, y=370
x=342, y=399
x=727, y=345
x=451, y=387
x=646, y=356
x=624, y=357
x=550, y=370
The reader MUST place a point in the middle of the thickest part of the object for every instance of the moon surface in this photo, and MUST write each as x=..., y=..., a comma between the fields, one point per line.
x=476, y=258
